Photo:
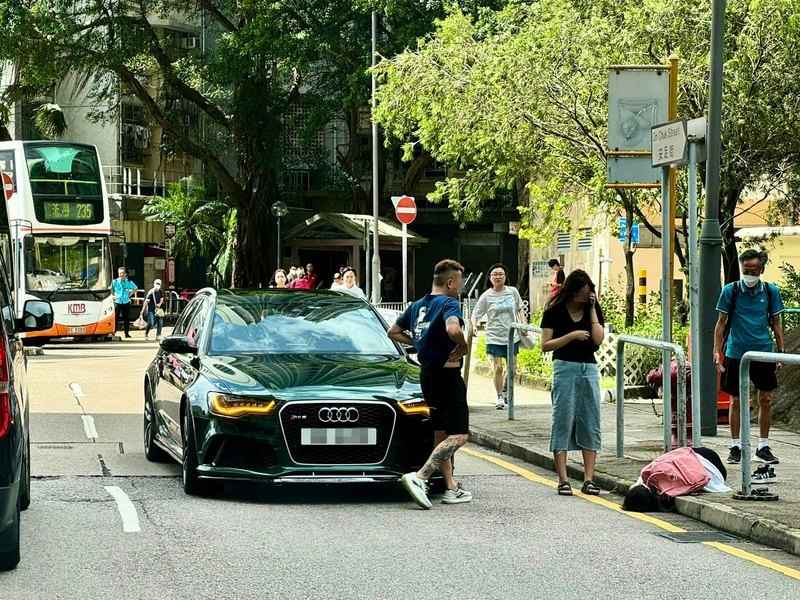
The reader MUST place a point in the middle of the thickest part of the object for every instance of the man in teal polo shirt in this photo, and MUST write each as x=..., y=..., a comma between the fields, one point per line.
x=750, y=312
x=122, y=287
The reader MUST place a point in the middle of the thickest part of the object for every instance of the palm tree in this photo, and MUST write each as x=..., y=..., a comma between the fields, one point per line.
x=199, y=222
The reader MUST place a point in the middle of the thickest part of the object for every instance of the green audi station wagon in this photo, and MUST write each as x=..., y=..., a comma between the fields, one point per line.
x=284, y=386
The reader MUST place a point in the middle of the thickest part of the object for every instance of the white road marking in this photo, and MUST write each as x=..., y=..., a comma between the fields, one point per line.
x=130, y=520
x=76, y=390
x=89, y=428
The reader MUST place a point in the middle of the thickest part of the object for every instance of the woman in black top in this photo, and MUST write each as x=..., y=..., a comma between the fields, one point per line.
x=153, y=310
x=572, y=329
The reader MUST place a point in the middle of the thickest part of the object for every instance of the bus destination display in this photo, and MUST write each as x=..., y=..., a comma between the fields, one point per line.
x=75, y=212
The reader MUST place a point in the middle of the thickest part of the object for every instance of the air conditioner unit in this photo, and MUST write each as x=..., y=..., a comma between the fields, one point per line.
x=189, y=43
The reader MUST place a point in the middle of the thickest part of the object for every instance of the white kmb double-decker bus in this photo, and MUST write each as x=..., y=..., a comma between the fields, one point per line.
x=56, y=226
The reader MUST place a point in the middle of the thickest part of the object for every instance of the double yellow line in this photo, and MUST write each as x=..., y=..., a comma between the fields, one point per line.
x=661, y=524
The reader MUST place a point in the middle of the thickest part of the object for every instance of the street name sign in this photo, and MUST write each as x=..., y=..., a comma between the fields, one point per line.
x=668, y=144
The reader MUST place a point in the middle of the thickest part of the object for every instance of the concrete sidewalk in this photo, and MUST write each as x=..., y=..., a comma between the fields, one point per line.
x=527, y=437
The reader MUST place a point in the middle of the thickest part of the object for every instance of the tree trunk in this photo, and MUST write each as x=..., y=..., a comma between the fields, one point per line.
x=730, y=256
x=630, y=280
x=253, y=240
x=786, y=406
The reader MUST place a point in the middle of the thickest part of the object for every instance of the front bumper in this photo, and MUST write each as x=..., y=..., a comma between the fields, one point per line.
x=258, y=448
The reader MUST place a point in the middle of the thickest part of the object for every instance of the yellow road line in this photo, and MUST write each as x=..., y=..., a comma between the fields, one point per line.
x=660, y=523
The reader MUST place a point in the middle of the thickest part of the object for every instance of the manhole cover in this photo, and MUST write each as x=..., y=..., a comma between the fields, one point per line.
x=54, y=446
x=698, y=537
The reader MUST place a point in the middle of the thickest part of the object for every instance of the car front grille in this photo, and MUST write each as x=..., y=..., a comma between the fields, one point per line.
x=299, y=415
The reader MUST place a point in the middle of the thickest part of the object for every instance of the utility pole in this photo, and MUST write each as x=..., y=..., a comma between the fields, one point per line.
x=376, y=258
x=710, y=233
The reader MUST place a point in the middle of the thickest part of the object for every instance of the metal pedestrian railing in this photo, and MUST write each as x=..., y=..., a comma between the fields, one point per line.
x=744, y=410
x=511, y=362
x=680, y=356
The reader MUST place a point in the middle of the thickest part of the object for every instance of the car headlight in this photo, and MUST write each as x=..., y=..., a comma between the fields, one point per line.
x=225, y=405
x=415, y=406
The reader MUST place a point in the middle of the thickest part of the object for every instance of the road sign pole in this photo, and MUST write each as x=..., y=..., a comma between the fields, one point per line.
x=673, y=175
x=405, y=264
x=694, y=292
x=376, y=257
x=666, y=299
x=711, y=234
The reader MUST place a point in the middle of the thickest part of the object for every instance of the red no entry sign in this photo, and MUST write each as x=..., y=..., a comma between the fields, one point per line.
x=406, y=210
x=8, y=186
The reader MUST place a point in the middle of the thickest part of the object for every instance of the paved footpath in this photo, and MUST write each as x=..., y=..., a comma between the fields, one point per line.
x=527, y=437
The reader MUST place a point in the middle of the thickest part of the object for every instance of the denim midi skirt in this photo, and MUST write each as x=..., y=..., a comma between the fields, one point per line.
x=576, y=406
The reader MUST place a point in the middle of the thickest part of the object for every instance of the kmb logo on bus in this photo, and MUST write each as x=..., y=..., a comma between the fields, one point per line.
x=76, y=309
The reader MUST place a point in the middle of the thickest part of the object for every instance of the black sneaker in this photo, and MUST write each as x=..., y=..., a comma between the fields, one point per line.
x=735, y=455
x=766, y=455
x=765, y=474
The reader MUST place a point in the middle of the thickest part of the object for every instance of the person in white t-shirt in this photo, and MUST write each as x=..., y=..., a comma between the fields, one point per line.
x=351, y=284
x=501, y=304
x=337, y=284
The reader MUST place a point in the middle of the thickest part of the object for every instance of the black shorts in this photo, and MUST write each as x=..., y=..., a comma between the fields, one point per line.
x=446, y=394
x=762, y=375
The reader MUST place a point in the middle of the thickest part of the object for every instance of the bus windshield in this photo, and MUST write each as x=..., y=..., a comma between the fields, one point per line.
x=65, y=183
x=55, y=263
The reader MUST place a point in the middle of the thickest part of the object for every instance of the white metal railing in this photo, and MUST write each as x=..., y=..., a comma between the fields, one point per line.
x=133, y=181
x=680, y=357
x=744, y=414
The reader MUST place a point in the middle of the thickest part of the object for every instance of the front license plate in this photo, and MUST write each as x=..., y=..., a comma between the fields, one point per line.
x=77, y=330
x=338, y=436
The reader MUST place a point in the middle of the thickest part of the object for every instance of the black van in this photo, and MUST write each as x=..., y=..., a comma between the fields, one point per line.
x=15, y=456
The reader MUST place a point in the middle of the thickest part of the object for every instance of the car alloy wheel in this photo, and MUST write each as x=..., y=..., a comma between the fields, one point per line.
x=151, y=450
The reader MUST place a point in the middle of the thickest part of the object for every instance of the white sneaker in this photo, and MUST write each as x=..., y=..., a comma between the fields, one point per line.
x=500, y=404
x=416, y=488
x=147, y=337
x=457, y=496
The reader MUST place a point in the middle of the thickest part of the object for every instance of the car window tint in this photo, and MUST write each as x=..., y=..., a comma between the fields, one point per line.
x=6, y=302
x=186, y=316
x=197, y=323
x=271, y=324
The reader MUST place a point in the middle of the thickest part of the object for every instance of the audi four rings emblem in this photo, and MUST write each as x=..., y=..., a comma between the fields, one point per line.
x=329, y=414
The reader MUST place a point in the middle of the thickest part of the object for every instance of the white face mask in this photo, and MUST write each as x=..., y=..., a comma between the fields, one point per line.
x=751, y=280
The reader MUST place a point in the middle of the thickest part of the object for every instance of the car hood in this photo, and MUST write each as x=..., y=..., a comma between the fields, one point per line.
x=302, y=376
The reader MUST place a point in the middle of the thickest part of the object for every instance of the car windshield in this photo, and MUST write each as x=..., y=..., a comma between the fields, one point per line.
x=66, y=263
x=296, y=323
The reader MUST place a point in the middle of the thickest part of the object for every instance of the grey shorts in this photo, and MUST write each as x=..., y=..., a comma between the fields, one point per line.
x=576, y=407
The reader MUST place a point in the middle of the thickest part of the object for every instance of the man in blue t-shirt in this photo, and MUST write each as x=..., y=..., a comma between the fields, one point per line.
x=121, y=288
x=750, y=312
x=435, y=324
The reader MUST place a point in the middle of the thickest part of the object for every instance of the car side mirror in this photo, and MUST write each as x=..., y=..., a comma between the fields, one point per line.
x=178, y=344
x=37, y=315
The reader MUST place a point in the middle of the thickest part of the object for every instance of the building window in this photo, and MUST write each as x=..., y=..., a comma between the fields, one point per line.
x=585, y=238
x=563, y=241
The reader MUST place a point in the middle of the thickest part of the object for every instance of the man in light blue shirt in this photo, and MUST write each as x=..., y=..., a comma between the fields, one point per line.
x=121, y=288
x=749, y=314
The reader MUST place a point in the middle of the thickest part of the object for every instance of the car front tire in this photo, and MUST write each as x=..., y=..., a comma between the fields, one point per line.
x=192, y=484
x=25, y=483
x=151, y=449
x=9, y=544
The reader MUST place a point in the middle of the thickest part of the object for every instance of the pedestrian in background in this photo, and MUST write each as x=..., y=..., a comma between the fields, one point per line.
x=350, y=287
x=572, y=329
x=121, y=289
x=749, y=315
x=153, y=310
x=435, y=323
x=337, y=281
x=558, y=276
x=279, y=278
x=502, y=306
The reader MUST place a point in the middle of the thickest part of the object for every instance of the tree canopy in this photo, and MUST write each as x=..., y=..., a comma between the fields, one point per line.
x=517, y=99
x=259, y=58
